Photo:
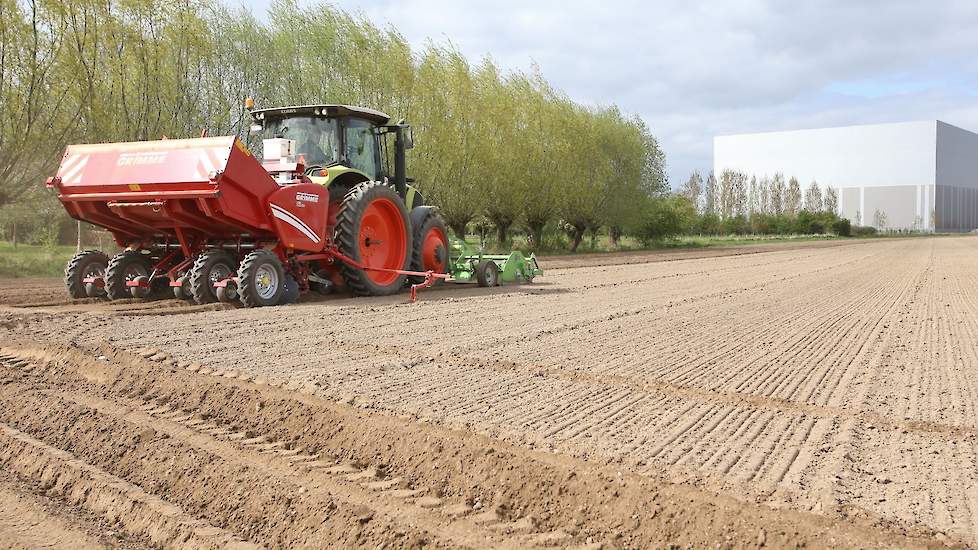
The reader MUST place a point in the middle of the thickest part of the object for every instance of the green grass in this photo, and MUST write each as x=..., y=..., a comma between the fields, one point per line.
x=33, y=260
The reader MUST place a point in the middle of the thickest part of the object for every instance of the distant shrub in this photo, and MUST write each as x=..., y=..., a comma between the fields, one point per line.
x=665, y=217
x=842, y=227
x=863, y=231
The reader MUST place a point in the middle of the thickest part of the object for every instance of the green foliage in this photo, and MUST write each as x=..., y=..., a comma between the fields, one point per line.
x=864, y=231
x=506, y=146
x=842, y=227
x=805, y=223
x=666, y=217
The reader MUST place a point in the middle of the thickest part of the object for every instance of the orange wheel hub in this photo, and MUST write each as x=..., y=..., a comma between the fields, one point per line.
x=383, y=240
x=434, y=251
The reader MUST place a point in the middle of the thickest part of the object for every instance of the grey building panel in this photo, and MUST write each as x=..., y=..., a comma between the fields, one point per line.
x=850, y=203
x=897, y=203
x=957, y=157
x=957, y=209
x=923, y=175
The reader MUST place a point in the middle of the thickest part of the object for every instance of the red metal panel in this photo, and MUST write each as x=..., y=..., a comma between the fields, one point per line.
x=300, y=212
x=213, y=188
x=107, y=166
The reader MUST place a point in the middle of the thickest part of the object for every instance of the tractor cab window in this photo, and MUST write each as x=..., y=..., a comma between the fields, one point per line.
x=315, y=138
x=361, y=147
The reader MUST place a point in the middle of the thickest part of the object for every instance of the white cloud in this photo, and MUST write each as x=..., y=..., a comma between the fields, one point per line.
x=696, y=69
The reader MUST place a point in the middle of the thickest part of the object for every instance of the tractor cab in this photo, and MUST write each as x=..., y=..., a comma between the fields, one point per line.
x=338, y=146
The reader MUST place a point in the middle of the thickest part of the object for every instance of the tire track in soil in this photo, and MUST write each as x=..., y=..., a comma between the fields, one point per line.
x=28, y=521
x=762, y=376
x=367, y=493
x=199, y=429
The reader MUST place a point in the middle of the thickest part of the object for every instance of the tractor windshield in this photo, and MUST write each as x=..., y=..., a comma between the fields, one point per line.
x=316, y=138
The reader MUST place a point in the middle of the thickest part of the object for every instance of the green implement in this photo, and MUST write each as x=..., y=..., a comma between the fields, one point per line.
x=467, y=265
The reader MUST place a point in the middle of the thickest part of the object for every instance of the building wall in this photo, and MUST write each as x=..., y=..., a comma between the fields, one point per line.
x=885, y=168
x=957, y=179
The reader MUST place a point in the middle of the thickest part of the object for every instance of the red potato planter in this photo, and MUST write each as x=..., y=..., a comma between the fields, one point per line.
x=208, y=220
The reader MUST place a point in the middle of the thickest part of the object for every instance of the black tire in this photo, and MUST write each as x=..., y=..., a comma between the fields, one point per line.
x=425, y=220
x=226, y=294
x=89, y=263
x=487, y=273
x=182, y=292
x=256, y=292
x=142, y=291
x=290, y=294
x=209, y=267
x=124, y=266
x=321, y=288
x=347, y=235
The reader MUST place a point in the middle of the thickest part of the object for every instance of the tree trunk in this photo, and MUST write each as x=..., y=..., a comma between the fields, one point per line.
x=594, y=236
x=502, y=223
x=458, y=227
x=614, y=233
x=15, y=234
x=578, y=237
x=501, y=233
x=536, y=234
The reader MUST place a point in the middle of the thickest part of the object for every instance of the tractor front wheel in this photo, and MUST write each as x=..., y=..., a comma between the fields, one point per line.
x=123, y=267
x=210, y=267
x=430, y=247
x=261, y=279
x=90, y=263
x=373, y=229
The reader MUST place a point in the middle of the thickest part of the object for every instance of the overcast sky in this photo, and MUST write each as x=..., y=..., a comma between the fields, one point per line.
x=693, y=70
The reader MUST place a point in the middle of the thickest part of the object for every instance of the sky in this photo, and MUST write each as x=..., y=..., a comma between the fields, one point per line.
x=694, y=70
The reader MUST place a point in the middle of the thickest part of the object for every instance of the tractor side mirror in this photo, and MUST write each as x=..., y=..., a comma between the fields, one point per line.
x=408, y=135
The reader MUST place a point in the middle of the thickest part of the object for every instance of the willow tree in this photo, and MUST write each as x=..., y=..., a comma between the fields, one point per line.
x=542, y=149
x=490, y=142
x=38, y=95
x=498, y=160
x=445, y=122
x=630, y=155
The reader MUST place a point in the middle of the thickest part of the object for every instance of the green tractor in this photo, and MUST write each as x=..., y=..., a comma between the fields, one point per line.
x=343, y=146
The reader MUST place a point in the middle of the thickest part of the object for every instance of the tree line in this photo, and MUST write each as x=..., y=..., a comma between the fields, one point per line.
x=739, y=204
x=503, y=149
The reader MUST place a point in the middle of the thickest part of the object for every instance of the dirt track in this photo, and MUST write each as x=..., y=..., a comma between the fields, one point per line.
x=637, y=404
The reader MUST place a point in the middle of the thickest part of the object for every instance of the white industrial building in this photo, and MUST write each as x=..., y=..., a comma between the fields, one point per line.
x=919, y=175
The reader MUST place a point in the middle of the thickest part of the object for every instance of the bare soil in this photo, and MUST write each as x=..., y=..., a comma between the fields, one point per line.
x=818, y=396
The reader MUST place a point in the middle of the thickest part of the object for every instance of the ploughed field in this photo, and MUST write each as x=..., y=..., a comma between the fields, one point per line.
x=819, y=395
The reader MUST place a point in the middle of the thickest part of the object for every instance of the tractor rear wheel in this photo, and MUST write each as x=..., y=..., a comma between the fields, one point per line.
x=123, y=267
x=430, y=247
x=89, y=263
x=261, y=279
x=373, y=229
x=210, y=267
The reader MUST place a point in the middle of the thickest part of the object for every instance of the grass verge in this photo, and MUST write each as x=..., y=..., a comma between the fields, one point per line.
x=26, y=260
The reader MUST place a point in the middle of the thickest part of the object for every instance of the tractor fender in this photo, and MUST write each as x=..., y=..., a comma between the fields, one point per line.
x=419, y=213
x=300, y=213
